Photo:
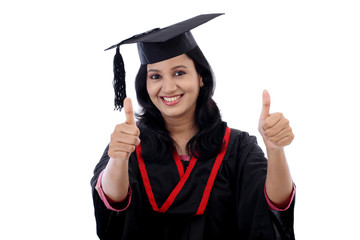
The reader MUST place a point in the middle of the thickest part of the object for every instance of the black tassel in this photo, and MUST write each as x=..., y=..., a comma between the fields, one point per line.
x=119, y=80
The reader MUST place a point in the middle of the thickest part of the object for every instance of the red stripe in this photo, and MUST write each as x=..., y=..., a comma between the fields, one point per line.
x=178, y=187
x=178, y=164
x=145, y=178
x=183, y=179
x=148, y=188
x=214, y=171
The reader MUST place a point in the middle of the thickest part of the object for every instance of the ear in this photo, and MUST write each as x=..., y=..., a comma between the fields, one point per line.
x=201, y=81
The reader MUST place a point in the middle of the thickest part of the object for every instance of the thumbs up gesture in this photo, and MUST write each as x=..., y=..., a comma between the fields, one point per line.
x=125, y=137
x=274, y=128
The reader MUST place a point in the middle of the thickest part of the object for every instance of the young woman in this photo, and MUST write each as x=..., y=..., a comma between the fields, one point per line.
x=180, y=172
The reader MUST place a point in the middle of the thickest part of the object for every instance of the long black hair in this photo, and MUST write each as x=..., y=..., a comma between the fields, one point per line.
x=155, y=139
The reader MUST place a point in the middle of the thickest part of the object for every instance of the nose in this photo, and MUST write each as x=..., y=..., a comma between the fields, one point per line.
x=169, y=85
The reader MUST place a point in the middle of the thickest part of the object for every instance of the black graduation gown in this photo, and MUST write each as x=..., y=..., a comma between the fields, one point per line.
x=167, y=203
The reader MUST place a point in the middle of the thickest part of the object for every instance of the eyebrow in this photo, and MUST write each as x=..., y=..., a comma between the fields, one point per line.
x=173, y=68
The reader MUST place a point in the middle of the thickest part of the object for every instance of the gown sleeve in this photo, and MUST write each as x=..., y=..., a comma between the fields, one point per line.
x=251, y=201
x=120, y=206
x=110, y=223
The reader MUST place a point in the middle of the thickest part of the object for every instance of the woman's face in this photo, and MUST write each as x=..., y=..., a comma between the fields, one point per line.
x=173, y=86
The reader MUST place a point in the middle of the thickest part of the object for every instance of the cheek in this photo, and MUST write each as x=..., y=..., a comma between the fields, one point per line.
x=193, y=87
x=151, y=88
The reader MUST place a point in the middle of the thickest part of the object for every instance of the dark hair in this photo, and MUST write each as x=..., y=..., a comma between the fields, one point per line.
x=154, y=135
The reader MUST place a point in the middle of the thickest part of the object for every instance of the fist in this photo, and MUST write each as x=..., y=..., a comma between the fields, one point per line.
x=274, y=128
x=125, y=137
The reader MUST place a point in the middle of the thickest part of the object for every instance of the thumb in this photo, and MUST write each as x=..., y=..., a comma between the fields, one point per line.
x=265, y=112
x=129, y=112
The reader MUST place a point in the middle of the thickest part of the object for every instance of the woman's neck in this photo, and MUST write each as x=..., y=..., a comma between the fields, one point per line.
x=181, y=131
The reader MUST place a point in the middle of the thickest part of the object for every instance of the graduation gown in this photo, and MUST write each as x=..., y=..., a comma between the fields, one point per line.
x=218, y=198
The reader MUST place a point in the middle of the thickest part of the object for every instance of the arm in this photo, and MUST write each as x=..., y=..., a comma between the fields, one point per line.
x=279, y=184
x=276, y=133
x=115, y=179
x=267, y=218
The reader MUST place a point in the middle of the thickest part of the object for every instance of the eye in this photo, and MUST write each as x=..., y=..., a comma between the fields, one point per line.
x=155, y=76
x=179, y=73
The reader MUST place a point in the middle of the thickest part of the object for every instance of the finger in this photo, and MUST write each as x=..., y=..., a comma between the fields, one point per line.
x=272, y=120
x=285, y=141
x=265, y=105
x=282, y=134
x=274, y=125
x=127, y=129
x=124, y=148
x=129, y=113
x=124, y=138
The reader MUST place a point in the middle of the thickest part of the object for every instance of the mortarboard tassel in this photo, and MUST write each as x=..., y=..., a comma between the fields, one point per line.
x=119, y=80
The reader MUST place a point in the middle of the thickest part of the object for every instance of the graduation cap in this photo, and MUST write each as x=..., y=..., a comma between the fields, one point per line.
x=156, y=45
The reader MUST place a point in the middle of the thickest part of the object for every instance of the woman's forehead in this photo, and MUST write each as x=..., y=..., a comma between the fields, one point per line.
x=181, y=60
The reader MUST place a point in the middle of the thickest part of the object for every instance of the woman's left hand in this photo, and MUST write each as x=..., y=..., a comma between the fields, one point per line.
x=274, y=128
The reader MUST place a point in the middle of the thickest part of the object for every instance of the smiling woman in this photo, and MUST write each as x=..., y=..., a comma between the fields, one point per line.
x=198, y=80
x=180, y=172
x=176, y=88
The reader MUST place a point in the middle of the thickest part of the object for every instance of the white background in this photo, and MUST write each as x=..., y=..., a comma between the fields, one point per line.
x=56, y=100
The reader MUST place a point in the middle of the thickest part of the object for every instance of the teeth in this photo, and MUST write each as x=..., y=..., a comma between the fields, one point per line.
x=171, y=99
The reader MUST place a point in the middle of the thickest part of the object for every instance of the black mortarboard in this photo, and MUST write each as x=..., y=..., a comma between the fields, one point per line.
x=156, y=45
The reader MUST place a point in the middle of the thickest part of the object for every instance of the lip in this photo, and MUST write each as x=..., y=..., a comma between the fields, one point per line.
x=171, y=100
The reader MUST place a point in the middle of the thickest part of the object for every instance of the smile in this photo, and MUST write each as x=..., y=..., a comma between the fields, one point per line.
x=171, y=100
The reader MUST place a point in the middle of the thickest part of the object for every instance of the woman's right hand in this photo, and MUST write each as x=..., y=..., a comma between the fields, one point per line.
x=125, y=137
